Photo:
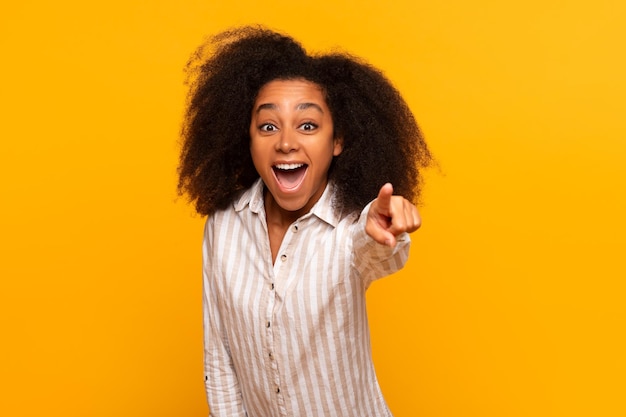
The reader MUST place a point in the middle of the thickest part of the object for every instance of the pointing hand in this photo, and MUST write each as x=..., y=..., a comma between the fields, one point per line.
x=390, y=215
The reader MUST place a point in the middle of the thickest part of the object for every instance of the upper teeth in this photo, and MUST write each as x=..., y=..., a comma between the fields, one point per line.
x=289, y=166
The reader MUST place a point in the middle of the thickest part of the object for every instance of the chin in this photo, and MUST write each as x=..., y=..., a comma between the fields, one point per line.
x=292, y=206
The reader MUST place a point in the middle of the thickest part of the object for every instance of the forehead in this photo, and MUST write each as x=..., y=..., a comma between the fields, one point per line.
x=286, y=91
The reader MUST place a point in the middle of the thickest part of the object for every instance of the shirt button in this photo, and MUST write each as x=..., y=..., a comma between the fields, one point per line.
x=268, y=324
x=283, y=258
x=272, y=286
x=294, y=228
x=271, y=356
x=277, y=390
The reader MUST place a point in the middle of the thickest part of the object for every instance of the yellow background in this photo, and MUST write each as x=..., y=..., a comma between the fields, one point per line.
x=513, y=302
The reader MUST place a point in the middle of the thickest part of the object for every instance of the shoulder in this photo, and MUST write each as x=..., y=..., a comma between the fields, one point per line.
x=329, y=211
x=252, y=197
x=239, y=214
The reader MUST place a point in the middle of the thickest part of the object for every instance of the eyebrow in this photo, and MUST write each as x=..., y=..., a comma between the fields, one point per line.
x=301, y=106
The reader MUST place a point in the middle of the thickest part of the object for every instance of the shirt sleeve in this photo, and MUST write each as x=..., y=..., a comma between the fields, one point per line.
x=374, y=260
x=222, y=386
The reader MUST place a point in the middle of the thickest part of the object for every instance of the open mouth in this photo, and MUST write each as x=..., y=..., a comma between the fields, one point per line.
x=289, y=176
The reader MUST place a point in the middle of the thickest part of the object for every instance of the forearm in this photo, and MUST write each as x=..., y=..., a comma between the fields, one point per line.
x=374, y=260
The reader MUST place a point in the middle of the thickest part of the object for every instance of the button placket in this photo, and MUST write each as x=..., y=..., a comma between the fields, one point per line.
x=269, y=324
x=280, y=278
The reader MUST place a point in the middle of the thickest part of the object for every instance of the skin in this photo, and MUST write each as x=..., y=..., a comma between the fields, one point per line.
x=292, y=126
x=390, y=215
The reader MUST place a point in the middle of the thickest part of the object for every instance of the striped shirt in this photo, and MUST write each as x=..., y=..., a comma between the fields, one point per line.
x=291, y=338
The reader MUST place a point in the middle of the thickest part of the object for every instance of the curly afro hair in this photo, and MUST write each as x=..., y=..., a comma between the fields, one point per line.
x=381, y=140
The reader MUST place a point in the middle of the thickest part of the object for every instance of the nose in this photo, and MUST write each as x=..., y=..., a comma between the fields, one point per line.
x=287, y=142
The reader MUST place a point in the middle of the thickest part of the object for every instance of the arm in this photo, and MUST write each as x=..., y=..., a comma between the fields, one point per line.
x=222, y=385
x=381, y=242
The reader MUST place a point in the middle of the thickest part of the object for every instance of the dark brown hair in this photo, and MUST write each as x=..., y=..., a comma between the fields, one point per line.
x=381, y=140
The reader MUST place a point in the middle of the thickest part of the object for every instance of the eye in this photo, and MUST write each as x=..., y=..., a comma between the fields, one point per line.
x=268, y=127
x=308, y=126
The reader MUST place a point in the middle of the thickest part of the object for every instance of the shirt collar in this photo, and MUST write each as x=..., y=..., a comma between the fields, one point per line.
x=323, y=209
x=252, y=197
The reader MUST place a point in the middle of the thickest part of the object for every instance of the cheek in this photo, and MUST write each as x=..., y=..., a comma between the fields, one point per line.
x=253, y=153
x=258, y=153
x=254, y=147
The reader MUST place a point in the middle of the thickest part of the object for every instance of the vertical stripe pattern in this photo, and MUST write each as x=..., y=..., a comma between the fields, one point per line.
x=291, y=338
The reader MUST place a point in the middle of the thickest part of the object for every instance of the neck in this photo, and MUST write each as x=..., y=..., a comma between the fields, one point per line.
x=277, y=215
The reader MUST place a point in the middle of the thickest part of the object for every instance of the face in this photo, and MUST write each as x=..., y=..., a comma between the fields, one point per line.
x=292, y=143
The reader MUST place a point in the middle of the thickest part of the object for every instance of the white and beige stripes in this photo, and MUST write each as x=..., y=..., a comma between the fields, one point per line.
x=291, y=339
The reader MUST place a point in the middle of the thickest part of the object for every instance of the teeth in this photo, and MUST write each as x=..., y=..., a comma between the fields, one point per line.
x=288, y=166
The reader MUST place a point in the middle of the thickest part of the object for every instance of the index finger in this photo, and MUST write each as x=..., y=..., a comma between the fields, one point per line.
x=384, y=198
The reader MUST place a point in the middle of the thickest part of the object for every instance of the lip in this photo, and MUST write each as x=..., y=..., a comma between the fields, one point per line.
x=294, y=188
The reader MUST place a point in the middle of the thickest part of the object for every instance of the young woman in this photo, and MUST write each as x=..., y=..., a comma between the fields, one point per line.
x=292, y=157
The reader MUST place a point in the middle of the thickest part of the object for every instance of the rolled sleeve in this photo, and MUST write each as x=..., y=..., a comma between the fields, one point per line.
x=373, y=260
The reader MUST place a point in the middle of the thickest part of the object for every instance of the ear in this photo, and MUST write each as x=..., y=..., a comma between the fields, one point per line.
x=337, y=146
